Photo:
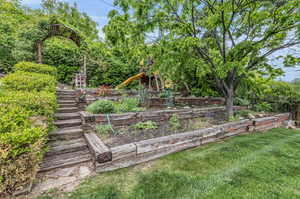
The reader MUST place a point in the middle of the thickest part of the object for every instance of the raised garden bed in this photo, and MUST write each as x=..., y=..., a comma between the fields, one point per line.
x=153, y=101
x=111, y=158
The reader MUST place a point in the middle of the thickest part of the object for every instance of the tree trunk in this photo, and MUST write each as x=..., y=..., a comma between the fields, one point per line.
x=229, y=102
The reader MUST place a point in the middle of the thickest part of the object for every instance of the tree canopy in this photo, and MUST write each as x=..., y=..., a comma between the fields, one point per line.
x=228, y=40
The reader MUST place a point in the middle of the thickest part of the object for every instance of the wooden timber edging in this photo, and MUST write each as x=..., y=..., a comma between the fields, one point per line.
x=145, y=150
x=157, y=116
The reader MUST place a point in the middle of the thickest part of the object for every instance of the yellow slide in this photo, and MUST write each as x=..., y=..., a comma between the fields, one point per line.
x=130, y=79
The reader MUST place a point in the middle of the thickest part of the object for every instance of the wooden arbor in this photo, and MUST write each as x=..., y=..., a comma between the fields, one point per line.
x=54, y=29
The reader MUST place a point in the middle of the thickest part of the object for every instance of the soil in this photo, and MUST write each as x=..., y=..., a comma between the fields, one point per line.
x=129, y=134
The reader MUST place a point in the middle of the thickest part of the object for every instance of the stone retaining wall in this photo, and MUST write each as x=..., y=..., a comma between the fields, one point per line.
x=157, y=116
x=142, y=151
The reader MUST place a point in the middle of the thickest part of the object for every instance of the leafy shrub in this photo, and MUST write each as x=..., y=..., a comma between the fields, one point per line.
x=263, y=107
x=20, y=144
x=146, y=125
x=35, y=68
x=24, y=95
x=103, y=129
x=101, y=106
x=29, y=82
x=241, y=101
x=174, y=122
x=127, y=104
x=39, y=103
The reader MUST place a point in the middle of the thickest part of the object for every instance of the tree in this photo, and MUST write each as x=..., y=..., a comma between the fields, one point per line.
x=227, y=38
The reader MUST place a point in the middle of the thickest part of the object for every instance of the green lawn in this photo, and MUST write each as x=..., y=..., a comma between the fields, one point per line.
x=250, y=166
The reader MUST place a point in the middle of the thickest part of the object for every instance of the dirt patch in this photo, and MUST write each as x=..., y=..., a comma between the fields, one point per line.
x=128, y=134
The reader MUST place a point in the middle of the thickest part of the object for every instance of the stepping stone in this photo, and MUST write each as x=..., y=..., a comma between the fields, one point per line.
x=67, y=110
x=67, y=123
x=65, y=160
x=67, y=116
x=67, y=147
x=66, y=133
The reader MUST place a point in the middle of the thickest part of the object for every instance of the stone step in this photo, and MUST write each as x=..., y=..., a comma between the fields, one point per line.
x=67, y=116
x=66, y=101
x=67, y=105
x=67, y=110
x=65, y=97
x=67, y=123
x=65, y=160
x=65, y=91
x=67, y=146
x=65, y=142
x=66, y=133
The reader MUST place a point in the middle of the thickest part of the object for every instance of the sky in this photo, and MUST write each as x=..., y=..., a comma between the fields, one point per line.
x=98, y=10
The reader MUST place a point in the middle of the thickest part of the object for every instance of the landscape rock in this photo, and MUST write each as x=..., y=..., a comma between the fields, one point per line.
x=84, y=172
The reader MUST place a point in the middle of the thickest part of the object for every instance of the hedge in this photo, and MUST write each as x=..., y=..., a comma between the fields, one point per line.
x=38, y=103
x=35, y=68
x=27, y=105
x=26, y=81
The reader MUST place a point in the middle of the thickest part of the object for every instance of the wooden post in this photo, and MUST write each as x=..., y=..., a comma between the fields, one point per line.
x=84, y=70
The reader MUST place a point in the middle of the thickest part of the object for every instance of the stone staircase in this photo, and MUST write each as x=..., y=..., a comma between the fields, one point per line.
x=67, y=145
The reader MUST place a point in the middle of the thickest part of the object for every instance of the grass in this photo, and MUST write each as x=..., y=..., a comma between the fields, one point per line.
x=258, y=166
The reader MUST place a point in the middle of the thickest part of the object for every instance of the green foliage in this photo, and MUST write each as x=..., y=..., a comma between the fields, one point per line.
x=243, y=113
x=174, y=122
x=35, y=68
x=103, y=129
x=26, y=116
x=101, y=106
x=127, y=104
x=38, y=103
x=211, y=41
x=146, y=125
x=276, y=96
x=26, y=81
x=263, y=107
x=241, y=101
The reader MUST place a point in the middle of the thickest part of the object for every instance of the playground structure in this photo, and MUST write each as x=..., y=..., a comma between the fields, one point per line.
x=149, y=80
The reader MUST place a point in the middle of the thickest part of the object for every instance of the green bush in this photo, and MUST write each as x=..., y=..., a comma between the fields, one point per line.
x=20, y=144
x=174, y=122
x=35, y=68
x=26, y=81
x=127, y=104
x=39, y=103
x=103, y=129
x=146, y=125
x=263, y=107
x=27, y=105
x=101, y=106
